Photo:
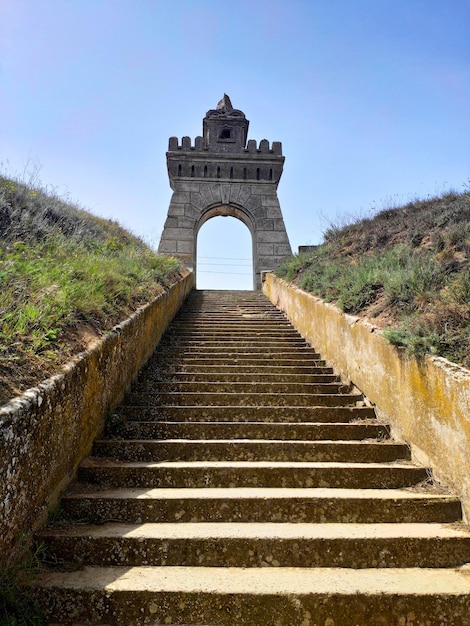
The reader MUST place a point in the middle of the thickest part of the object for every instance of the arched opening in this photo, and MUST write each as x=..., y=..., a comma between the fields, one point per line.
x=224, y=255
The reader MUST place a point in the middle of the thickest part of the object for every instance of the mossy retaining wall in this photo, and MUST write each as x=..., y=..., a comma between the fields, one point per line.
x=46, y=432
x=427, y=403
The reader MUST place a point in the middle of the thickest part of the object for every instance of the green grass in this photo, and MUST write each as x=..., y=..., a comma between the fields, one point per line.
x=61, y=269
x=16, y=607
x=411, y=263
x=48, y=285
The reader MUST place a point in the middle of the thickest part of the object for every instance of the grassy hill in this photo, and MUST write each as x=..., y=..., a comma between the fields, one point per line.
x=66, y=277
x=406, y=269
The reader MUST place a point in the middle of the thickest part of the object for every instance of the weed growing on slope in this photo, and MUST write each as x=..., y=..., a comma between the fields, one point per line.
x=65, y=275
x=409, y=265
x=16, y=607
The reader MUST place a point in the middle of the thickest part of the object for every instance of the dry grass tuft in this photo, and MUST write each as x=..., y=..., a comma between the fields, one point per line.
x=407, y=269
x=66, y=278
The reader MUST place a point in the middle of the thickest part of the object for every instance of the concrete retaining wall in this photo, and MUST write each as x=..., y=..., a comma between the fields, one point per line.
x=45, y=433
x=426, y=403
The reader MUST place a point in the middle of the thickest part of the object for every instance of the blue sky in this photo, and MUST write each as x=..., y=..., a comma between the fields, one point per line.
x=370, y=98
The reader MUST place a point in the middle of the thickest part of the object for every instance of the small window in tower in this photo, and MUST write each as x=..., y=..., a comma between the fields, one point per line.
x=257, y=173
x=270, y=174
x=244, y=173
x=192, y=171
x=226, y=133
x=231, y=172
x=179, y=169
x=205, y=171
x=218, y=172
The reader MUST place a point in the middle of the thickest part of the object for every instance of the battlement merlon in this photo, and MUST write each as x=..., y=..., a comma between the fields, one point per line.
x=199, y=146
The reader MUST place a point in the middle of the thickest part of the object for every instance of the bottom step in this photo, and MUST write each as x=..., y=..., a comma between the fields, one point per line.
x=265, y=597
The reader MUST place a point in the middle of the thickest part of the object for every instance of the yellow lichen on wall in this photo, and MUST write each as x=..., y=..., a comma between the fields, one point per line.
x=427, y=403
x=46, y=432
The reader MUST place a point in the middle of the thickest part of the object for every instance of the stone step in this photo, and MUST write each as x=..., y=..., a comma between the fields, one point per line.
x=233, y=358
x=202, y=362
x=253, y=315
x=229, y=316
x=295, y=352
x=192, y=308
x=219, y=300
x=239, y=328
x=158, y=376
x=230, y=413
x=251, y=450
x=233, y=298
x=256, y=596
x=259, y=545
x=203, y=341
x=262, y=326
x=236, y=329
x=247, y=504
x=239, y=344
x=230, y=474
x=220, y=306
x=253, y=430
x=240, y=387
x=258, y=300
x=278, y=371
x=226, y=308
x=245, y=399
x=223, y=297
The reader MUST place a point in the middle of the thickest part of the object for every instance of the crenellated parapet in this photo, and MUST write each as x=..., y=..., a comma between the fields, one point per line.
x=252, y=146
x=254, y=163
x=223, y=152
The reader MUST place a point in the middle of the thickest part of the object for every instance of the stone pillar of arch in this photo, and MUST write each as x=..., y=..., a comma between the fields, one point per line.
x=222, y=174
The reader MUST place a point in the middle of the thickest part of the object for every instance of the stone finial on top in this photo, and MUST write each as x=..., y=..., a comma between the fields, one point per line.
x=225, y=104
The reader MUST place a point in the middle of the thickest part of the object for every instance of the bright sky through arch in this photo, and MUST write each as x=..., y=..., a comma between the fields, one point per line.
x=369, y=99
x=224, y=255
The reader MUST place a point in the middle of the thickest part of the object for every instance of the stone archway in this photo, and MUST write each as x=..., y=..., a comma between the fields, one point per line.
x=224, y=252
x=226, y=210
x=220, y=176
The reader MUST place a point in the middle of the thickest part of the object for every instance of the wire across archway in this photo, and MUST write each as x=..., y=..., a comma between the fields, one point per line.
x=224, y=255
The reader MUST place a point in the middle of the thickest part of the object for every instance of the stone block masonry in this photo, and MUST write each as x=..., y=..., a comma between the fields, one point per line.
x=223, y=175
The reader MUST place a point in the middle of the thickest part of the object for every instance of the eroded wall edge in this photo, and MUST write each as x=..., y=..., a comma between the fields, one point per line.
x=46, y=432
x=427, y=403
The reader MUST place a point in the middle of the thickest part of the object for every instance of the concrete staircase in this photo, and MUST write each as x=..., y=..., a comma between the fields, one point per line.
x=246, y=484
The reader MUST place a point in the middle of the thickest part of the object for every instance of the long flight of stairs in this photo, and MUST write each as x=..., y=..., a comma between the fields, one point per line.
x=244, y=484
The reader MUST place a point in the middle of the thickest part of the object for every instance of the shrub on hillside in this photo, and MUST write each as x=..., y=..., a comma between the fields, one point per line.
x=63, y=269
x=411, y=262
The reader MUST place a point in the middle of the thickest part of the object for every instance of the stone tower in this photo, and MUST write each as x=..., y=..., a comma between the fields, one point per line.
x=223, y=174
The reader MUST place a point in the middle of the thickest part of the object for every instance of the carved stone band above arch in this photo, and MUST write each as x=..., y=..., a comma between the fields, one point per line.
x=226, y=210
